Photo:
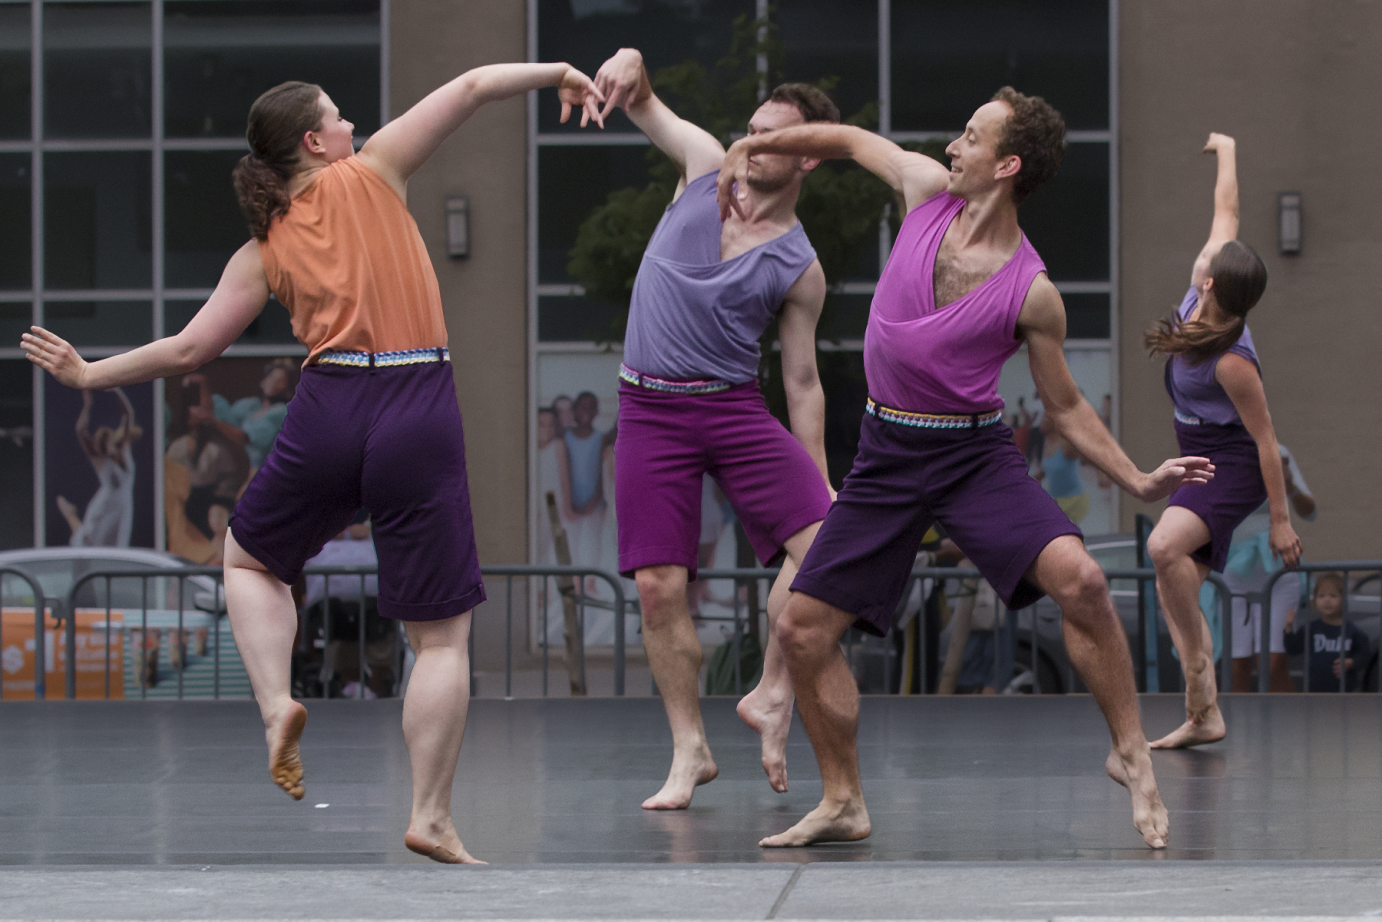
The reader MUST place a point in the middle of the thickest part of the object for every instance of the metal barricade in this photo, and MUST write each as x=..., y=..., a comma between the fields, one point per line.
x=40, y=605
x=1264, y=600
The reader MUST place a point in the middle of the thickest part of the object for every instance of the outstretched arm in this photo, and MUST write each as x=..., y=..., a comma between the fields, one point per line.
x=1042, y=324
x=127, y=426
x=805, y=399
x=624, y=81
x=916, y=177
x=83, y=426
x=237, y=300
x=1243, y=384
x=1225, y=226
x=401, y=147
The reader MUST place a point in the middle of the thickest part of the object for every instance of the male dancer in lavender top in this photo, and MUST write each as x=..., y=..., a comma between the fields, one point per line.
x=689, y=402
x=962, y=291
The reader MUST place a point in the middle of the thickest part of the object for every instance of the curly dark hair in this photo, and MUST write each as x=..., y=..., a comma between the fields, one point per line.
x=811, y=101
x=278, y=120
x=1035, y=132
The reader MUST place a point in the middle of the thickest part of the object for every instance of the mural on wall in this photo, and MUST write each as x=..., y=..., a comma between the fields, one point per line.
x=221, y=423
x=1086, y=495
x=98, y=466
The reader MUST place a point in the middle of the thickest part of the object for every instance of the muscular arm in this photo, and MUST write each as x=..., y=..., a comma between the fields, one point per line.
x=624, y=81
x=1225, y=226
x=916, y=177
x=1240, y=380
x=401, y=147
x=805, y=399
x=237, y=300
x=1042, y=324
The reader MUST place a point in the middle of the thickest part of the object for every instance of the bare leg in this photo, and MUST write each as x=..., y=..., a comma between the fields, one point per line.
x=1178, y=579
x=1098, y=650
x=1280, y=673
x=434, y=712
x=809, y=631
x=674, y=655
x=264, y=621
x=768, y=708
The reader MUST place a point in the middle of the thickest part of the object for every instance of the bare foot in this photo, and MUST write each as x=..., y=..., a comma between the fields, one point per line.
x=771, y=722
x=1205, y=727
x=451, y=852
x=1134, y=772
x=847, y=822
x=70, y=513
x=686, y=775
x=285, y=762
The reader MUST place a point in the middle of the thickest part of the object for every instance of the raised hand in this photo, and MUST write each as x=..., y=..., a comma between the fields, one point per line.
x=1218, y=142
x=576, y=89
x=734, y=179
x=1174, y=474
x=622, y=80
x=1285, y=544
x=54, y=355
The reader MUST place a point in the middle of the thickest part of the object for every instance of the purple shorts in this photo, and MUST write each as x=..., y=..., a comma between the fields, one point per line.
x=667, y=442
x=1235, y=492
x=387, y=440
x=973, y=481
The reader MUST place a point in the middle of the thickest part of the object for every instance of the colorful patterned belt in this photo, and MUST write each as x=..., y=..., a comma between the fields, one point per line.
x=385, y=359
x=1188, y=420
x=639, y=379
x=933, y=420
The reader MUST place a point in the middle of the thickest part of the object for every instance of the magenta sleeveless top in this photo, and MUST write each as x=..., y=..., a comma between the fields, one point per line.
x=1194, y=389
x=947, y=360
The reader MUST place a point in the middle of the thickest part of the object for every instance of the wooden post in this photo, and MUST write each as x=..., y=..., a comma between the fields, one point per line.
x=566, y=585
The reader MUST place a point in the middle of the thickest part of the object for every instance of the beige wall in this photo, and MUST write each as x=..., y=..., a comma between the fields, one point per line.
x=485, y=296
x=1289, y=79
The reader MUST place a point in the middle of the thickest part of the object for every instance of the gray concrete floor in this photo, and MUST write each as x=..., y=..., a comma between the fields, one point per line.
x=982, y=808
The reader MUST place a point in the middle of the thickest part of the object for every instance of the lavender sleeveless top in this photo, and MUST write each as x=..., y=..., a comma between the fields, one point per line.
x=694, y=316
x=1193, y=388
x=925, y=359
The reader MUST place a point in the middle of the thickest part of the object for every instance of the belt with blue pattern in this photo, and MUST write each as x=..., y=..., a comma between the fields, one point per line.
x=933, y=420
x=637, y=378
x=385, y=359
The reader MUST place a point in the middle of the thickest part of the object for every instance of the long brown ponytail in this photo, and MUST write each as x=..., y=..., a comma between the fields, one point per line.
x=278, y=120
x=1240, y=278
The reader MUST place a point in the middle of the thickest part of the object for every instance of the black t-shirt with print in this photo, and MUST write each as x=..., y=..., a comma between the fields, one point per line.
x=1322, y=644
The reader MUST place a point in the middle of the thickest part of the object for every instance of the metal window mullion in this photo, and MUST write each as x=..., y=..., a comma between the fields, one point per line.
x=530, y=416
x=157, y=244
x=36, y=269
x=385, y=61
x=885, y=117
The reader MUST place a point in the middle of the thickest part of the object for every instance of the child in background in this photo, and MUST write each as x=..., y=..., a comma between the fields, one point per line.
x=1326, y=657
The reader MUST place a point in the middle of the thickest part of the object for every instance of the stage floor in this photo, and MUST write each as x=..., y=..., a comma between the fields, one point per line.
x=560, y=781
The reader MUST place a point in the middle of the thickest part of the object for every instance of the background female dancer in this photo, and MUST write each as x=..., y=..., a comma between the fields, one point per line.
x=1214, y=380
x=374, y=422
x=109, y=516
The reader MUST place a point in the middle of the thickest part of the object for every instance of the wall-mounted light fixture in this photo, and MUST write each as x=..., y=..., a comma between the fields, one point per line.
x=458, y=226
x=1288, y=206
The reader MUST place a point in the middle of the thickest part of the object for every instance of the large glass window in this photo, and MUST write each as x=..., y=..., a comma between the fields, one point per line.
x=97, y=73
x=121, y=196
x=598, y=196
x=15, y=95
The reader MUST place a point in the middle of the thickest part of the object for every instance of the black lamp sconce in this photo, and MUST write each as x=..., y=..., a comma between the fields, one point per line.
x=1288, y=222
x=458, y=226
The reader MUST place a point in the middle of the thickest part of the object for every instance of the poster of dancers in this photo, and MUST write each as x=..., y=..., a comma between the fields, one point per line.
x=222, y=421
x=98, y=467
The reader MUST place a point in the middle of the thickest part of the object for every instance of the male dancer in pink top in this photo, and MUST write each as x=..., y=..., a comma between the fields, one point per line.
x=962, y=291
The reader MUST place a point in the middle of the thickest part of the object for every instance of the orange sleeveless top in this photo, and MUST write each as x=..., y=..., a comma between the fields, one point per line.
x=349, y=264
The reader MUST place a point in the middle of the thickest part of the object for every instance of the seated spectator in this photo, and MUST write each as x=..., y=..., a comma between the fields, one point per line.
x=1331, y=647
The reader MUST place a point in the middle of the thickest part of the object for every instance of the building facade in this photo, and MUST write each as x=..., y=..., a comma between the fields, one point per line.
x=120, y=121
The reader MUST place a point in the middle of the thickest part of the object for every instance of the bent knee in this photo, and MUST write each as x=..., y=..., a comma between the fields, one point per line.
x=1082, y=587
x=804, y=629
x=661, y=592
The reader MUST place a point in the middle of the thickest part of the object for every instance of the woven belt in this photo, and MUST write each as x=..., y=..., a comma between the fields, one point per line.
x=385, y=359
x=933, y=420
x=1188, y=420
x=639, y=379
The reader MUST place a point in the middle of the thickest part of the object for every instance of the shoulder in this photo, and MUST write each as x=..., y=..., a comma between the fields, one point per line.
x=810, y=286
x=1233, y=368
x=1042, y=303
